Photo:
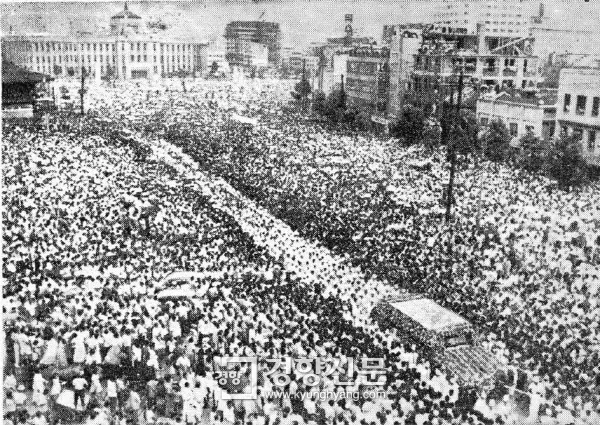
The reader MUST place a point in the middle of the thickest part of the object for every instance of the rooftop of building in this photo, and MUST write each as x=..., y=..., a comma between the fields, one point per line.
x=370, y=52
x=349, y=41
x=524, y=97
x=253, y=24
x=12, y=73
x=126, y=14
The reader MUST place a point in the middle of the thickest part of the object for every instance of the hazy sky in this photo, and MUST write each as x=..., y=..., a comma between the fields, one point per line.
x=302, y=21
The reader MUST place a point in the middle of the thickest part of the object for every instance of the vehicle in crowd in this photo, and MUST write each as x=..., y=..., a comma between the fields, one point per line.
x=450, y=339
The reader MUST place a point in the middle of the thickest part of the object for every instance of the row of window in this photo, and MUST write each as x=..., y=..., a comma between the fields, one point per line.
x=581, y=104
x=367, y=67
x=49, y=46
x=427, y=63
x=578, y=133
x=58, y=70
x=513, y=127
x=101, y=58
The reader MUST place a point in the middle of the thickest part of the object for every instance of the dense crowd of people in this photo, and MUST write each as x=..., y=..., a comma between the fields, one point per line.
x=90, y=230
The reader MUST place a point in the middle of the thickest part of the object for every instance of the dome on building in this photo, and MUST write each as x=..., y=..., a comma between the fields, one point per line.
x=126, y=14
x=125, y=22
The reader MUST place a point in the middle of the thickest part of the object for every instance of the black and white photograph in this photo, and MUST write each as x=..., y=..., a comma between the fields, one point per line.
x=300, y=212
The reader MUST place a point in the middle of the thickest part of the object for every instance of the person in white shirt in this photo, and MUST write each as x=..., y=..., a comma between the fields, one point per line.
x=187, y=396
x=79, y=385
x=39, y=419
x=183, y=364
x=10, y=382
x=112, y=394
x=20, y=397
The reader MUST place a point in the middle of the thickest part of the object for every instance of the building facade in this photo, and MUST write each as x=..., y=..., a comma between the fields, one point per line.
x=405, y=44
x=126, y=52
x=391, y=31
x=487, y=41
x=368, y=79
x=520, y=113
x=332, y=73
x=493, y=62
x=502, y=18
x=579, y=108
x=239, y=34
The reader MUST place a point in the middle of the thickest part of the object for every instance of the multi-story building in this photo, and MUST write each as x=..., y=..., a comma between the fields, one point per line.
x=312, y=65
x=332, y=73
x=554, y=34
x=295, y=62
x=299, y=62
x=520, y=112
x=127, y=51
x=390, y=31
x=504, y=18
x=485, y=40
x=333, y=58
x=368, y=80
x=258, y=55
x=248, y=54
x=579, y=108
x=404, y=45
x=286, y=54
x=216, y=57
x=240, y=33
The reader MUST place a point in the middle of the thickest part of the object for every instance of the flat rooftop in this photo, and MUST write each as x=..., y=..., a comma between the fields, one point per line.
x=429, y=314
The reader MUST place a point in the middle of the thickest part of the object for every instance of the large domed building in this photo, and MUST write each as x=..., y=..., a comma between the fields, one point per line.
x=125, y=22
x=127, y=50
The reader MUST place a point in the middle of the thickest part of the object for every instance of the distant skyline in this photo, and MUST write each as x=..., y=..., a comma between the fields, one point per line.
x=302, y=22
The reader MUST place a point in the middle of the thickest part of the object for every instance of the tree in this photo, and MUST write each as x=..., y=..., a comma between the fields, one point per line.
x=447, y=115
x=57, y=69
x=532, y=153
x=301, y=92
x=335, y=106
x=410, y=125
x=465, y=137
x=551, y=74
x=214, y=68
x=565, y=162
x=422, y=99
x=431, y=137
x=319, y=103
x=496, y=141
x=363, y=120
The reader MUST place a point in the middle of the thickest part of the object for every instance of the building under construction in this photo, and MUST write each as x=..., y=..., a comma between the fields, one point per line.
x=241, y=34
x=488, y=41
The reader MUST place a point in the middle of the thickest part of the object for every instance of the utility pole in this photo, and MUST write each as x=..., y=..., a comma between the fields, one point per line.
x=82, y=89
x=342, y=94
x=304, y=81
x=442, y=105
x=452, y=148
